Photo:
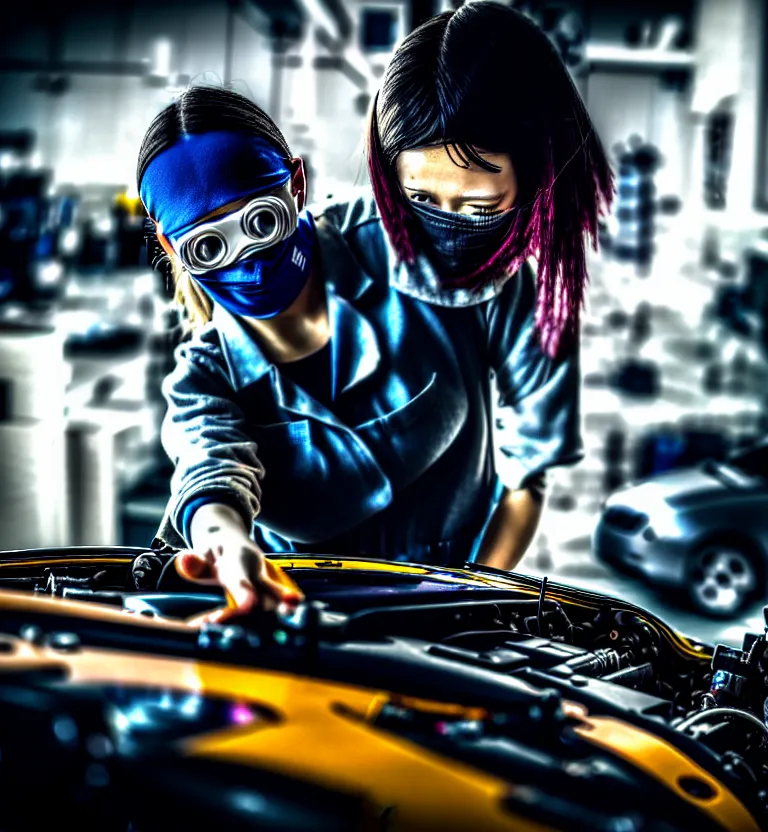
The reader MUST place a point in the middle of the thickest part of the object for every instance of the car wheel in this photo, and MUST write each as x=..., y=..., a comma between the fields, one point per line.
x=721, y=580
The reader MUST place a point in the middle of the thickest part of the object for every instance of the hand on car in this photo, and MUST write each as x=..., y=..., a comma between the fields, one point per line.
x=223, y=554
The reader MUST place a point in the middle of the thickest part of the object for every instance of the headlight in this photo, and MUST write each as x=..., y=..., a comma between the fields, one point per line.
x=665, y=522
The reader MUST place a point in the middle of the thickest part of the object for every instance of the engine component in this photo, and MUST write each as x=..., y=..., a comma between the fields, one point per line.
x=590, y=712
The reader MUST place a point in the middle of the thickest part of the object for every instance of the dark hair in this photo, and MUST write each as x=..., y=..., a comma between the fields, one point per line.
x=202, y=109
x=486, y=77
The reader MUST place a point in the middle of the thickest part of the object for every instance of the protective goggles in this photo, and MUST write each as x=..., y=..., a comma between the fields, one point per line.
x=263, y=222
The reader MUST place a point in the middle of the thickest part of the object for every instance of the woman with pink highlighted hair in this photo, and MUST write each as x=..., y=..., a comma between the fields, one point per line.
x=481, y=154
x=482, y=158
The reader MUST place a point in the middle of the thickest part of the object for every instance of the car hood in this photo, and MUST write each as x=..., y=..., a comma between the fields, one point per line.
x=470, y=698
x=684, y=487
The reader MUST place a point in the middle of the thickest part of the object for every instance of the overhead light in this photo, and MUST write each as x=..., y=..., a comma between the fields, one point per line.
x=609, y=53
x=69, y=241
x=162, y=62
x=50, y=273
x=670, y=29
x=320, y=17
x=105, y=225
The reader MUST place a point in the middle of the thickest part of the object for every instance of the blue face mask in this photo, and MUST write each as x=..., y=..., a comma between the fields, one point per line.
x=458, y=244
x=266, y=284
x=198, y=175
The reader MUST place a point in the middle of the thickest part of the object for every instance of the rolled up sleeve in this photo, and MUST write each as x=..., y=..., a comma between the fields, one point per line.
x=204, y=434
x=537, y=419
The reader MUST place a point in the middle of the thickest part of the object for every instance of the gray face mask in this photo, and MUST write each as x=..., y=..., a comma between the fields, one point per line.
x=457, y=244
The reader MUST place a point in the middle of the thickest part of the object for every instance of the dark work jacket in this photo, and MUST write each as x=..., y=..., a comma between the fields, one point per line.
x=401, y=465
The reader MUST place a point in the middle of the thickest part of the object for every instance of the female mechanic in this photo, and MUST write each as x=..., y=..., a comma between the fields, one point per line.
x=335, y=396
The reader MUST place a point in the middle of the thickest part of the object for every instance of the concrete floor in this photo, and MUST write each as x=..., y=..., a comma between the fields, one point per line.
x=679, y=290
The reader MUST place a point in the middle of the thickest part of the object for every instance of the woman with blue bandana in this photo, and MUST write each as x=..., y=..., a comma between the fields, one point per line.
x=335, y=396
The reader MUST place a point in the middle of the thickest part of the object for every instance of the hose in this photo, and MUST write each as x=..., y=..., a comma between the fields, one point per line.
x=701, y=716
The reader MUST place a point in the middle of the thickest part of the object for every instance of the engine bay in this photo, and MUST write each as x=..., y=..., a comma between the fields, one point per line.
x=618, y=721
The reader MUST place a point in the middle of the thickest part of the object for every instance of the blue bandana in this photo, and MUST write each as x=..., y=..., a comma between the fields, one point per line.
x=266, y=284
x=204, y=171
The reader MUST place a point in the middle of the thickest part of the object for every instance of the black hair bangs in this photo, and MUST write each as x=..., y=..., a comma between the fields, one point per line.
x=475, y=82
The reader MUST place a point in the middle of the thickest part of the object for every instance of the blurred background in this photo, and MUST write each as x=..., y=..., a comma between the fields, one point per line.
x=669, y=507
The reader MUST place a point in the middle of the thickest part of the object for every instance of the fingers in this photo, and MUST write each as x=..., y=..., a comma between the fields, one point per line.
x=252, y=581
x=250, y=603
x=244, y=597
x=274, y=593
x=195, y=567
x=270, y=588
x=222, y=615
x=211, y=617
x=284, y=587
x=248, y=597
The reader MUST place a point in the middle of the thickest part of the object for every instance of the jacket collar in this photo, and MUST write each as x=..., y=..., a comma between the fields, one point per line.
x=355, y=351
x=421, y=281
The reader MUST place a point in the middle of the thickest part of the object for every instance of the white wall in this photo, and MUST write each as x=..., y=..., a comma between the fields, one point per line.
x=729, y=48
x=320, y=114
x=727, y=60
x=91, y=133
x=621, y=104
x=718, y=38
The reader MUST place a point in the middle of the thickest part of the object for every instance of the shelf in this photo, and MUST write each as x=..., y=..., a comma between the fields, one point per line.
x=606, y=55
